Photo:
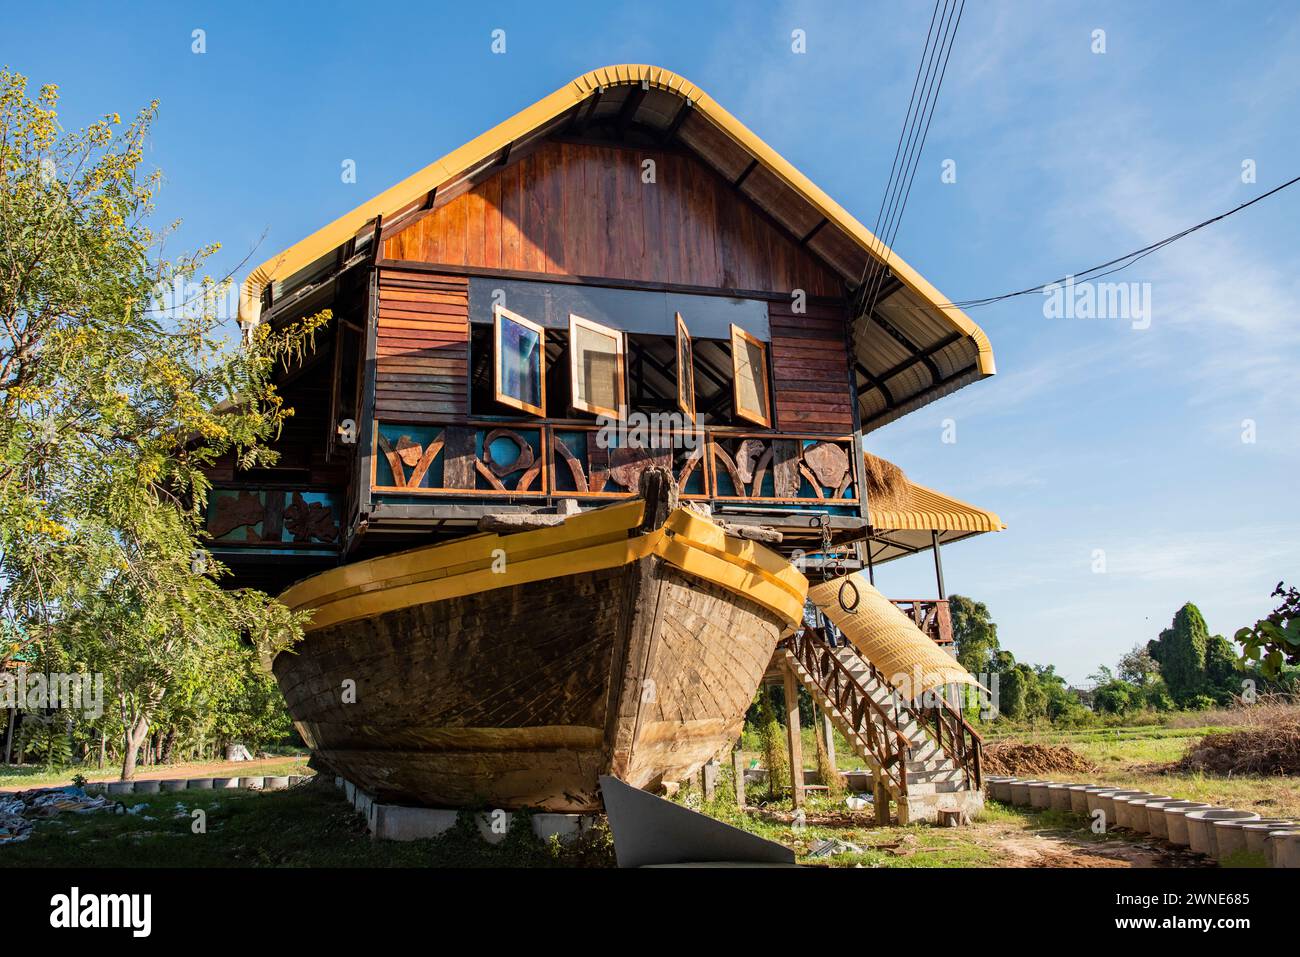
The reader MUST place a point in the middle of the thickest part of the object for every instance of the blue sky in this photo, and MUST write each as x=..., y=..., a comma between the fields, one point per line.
x=1093, y=436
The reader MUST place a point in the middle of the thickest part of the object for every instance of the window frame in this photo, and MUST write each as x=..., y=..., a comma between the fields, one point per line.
x=576, y=322
x=685, y=397
x=752, y=415
x=498, y=312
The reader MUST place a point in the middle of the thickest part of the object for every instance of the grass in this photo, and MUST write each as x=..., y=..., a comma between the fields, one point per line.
x=21, y=777
x=305, y=826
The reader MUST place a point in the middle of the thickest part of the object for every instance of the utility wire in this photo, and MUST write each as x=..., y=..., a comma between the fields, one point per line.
x=916, y=129
x=1120, y=262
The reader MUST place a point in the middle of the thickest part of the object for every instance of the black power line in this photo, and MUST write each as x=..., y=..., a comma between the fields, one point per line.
x=1120, y=262
x=916, y=129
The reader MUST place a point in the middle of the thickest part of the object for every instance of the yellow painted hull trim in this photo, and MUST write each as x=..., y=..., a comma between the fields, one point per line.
x=592, y=541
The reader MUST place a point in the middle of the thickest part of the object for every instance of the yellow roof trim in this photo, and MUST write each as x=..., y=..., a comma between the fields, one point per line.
x=928, y=510
x=330, y=237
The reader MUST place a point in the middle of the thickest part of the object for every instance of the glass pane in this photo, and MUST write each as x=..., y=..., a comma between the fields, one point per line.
x=520, y=361
x=599, y=383
x=751, y=384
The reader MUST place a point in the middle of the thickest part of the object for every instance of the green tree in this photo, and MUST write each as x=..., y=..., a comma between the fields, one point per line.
x=1137, y=667
x=111, y=411
x=1273, y=642
x=974, y=633
x=1181, y=653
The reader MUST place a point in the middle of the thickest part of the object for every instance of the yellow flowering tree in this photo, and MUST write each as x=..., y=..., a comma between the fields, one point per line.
x=111, y=407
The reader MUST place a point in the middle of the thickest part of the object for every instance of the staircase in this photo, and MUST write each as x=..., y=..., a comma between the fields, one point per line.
x=926, y=757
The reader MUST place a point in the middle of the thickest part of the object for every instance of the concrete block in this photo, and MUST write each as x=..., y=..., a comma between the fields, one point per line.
x=199, y=784
x=392, y=822
x=222, y=784
x=1284, y=848
x=1200, y=826
x=296, y=779
x=350, y=792
x=567, y=827
x=275, y=783
x=494, y=825
x=254, y=784
x=176, y=784
x=121, y=787
x=147, y=787
x=1176, y=823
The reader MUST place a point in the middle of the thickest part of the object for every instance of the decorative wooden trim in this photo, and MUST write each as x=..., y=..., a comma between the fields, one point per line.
x=739, y=335
x=577, y=322
x=498, y=312
x=686, y=395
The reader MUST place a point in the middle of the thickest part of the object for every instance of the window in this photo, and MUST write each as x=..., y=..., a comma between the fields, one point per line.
x=685, y=370
x=520, y=362
x=596, y=368
x=749, y=385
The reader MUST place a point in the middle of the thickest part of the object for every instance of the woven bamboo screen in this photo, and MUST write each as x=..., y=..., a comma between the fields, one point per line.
x=907, y=657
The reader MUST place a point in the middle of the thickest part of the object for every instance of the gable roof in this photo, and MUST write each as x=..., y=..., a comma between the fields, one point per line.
x=912, y=349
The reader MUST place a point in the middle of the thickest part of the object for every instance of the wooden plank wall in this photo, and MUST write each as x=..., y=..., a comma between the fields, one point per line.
x=810, y=369
x=422, y=358
x=583, y=210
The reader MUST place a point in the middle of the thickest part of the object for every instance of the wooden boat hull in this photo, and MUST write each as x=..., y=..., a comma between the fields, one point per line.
x=522, y=695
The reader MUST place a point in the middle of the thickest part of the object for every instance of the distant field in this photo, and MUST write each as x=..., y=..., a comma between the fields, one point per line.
x=38, y=776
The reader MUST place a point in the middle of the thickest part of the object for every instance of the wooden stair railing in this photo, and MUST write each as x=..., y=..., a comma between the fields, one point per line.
x=952, y=733
x=889, y=747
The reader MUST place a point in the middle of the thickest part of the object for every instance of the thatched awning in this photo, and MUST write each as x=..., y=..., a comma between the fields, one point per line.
x=905, y=517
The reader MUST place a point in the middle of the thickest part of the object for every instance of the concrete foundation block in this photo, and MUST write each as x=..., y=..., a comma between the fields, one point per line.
x=1106, y=801
x=494, y=825
x=275, y=783
x=296, y=779
x=253, y=784
x=566, y=827
x=392, y=822
x=339, y=782
x=1284, y=848
x=1200, y=826
x=148, y=787
x=222, y=784
x=173, y=785
x=121, y=787
x=199, y=784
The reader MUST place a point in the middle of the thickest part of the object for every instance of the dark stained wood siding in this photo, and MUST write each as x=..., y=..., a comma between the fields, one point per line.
x=582, y=210
x=422, y=346
x=810, y=369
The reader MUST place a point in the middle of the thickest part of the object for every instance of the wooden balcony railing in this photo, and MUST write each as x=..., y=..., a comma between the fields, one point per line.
x=582, y=461
x=931, y=615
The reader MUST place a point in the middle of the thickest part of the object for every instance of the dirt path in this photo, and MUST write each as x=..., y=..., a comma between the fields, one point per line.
x=1016, y=848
